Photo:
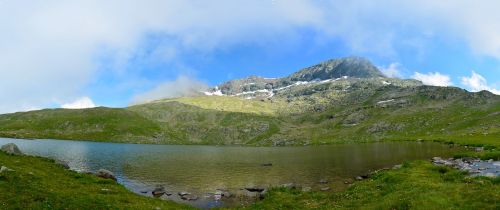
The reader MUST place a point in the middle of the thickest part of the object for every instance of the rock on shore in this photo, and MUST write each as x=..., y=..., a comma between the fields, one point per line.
x=103, y=173
x=12, y=149
x=475, y=166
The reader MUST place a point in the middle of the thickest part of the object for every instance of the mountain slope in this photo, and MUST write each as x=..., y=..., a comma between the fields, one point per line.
x=341, y=100
x=336, y=68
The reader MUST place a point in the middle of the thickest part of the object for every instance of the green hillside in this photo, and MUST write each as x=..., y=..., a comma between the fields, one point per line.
x=339, y=109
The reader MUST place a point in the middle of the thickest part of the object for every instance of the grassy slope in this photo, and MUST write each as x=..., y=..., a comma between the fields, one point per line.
x=417, y=185
x=187, y=124
x=227, y=104
x=97, y=124
x=444, y=115
x=37, y=183
x=318, y=114
x=467, y=119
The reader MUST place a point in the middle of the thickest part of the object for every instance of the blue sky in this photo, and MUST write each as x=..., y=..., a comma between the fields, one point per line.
x=91, y=53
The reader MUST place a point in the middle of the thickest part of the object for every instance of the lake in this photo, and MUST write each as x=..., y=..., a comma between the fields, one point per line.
x=202, y=170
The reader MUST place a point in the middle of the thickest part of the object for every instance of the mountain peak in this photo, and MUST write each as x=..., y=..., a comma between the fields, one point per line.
x=357, y=67
x=352, y=67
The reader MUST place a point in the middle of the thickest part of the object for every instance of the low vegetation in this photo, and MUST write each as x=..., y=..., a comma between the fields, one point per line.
x=38, y=183
x=417, y=185
x=367, y=113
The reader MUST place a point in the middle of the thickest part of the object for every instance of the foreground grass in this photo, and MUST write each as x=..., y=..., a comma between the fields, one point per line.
x=38, y=183
x=417, y=185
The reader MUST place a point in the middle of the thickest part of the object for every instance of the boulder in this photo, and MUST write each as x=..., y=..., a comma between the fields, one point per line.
x=12, y=149
x=103, y=173
x=325, y=189
x=266, y=164
x=158, y=191
x=306, y=189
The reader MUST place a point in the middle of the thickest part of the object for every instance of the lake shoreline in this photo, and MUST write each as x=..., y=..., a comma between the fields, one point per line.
x=283, y=192
x=263, y=166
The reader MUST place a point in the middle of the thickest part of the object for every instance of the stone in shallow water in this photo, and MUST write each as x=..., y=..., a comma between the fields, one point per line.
x=189, y=197
x=474, y=166
x=323, y=181
x=184, y=193
x=158, y=191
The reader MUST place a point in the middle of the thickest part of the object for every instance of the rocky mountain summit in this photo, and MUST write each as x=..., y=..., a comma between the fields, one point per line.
x=331, y=71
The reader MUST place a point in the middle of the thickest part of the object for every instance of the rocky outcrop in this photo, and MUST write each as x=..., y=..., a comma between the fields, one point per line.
x=11, y=149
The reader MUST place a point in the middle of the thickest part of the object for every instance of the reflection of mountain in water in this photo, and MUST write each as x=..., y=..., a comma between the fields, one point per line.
x=202, y=169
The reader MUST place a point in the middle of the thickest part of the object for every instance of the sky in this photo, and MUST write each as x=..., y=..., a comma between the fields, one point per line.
x=87, y=53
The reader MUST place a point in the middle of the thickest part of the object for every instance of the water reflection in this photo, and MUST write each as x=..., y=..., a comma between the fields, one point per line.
x=202, y=169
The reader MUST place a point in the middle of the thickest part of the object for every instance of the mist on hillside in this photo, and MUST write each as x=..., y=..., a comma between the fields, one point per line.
x=181, y=87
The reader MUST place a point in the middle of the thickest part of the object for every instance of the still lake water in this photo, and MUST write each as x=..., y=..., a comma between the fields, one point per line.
x=203, y=169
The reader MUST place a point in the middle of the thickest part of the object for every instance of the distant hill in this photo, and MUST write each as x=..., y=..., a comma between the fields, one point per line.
x=339, y=100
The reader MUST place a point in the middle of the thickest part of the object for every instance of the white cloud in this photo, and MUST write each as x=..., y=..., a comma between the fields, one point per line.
x=393, y=70
x=434, y=79
x=182, y=86
x=476, y=83
x=80, y=103
x=50, y=50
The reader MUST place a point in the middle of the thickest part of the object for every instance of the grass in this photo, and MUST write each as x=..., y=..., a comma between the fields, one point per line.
x=227, y=104
x=97, y=124
x=417, y=185
x=317, y=114
x=38, y=183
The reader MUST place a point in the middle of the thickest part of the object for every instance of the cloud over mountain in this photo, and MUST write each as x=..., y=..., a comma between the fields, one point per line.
x=51, y=51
